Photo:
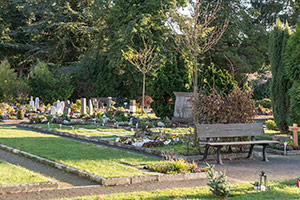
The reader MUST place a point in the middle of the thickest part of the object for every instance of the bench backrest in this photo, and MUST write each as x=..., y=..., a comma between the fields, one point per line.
x=229, y=130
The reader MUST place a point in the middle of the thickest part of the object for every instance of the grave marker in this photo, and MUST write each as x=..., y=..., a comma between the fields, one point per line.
x=90, y=108
x=83, y=106
x=295, y=129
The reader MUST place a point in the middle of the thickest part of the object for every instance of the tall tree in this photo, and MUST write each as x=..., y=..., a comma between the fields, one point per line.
x=124, y=23
x=293, y=73
x=280, y=83
x=57, y=32
x=195, y=35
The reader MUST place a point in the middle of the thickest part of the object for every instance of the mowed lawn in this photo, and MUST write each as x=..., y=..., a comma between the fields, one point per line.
x=102, y=161
x=16, y=175
x=283, y=190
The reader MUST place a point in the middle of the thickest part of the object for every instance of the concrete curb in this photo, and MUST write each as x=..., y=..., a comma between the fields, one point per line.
x=36, y=187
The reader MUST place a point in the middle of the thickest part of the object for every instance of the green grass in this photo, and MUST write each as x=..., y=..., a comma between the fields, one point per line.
x=15, y=175
x=178, y=149
x=88, y=130
x=283, y=190
x=98, y=160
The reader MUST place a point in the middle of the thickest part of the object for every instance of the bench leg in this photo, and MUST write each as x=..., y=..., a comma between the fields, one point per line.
x=264, y=153
x=219, y=159
x=205, y=153
x=250, y=151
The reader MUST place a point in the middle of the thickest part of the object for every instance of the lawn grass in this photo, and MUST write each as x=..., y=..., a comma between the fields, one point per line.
x=102, y=161
x=88, y=130
x=283, y=190
x=16, y=175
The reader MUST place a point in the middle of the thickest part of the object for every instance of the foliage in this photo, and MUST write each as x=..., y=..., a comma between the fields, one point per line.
x=218, y=79
x=172, y=166
x=271, y=125
x=267, y=103
x=237, y=107
x=171, y=77
x=262, y=91
x=12, y=88
x=293, y=73
x=218, y=185
x=280, y=83
x=20, y=114
x=103, y=71
x=46, y=86
x=56, y=32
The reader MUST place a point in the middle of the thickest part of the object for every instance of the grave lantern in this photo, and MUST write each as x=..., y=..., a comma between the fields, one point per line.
x=262, y=184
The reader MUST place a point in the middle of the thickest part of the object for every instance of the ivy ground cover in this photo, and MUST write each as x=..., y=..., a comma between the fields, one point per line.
x=16, y=175
x=102, y=161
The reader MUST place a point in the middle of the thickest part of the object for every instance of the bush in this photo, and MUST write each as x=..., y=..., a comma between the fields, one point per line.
x=271, y=125
x=262, y=91
x=237, y=107
x=46, y=86
x=172, y=167
x=12, y=88
x=218, y=185
x=266, y=103
x=20, y=114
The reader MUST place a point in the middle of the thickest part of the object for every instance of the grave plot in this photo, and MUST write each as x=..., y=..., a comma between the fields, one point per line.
x=89, y=130
x=101, y=161
x=16, y=175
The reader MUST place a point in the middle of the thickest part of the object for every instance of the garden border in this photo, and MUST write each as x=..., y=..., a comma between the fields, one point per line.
x=110, y=181
x=155, y=152
x=35, y=187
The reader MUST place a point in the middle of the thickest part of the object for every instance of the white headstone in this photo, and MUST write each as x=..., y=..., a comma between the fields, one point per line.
x=60, y=108
x=52, y=110
x=37, y=103
x=83, y=106
x=31, y=103
x=90, y=108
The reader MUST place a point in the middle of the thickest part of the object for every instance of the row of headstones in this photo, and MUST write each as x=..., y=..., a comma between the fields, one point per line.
x=61, y=107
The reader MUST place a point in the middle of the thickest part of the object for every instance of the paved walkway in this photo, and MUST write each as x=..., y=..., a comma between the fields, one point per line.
x=279, y=168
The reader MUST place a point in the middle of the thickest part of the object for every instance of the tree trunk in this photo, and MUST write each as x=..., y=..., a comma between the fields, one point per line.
x=195, y=98
x=143, y=95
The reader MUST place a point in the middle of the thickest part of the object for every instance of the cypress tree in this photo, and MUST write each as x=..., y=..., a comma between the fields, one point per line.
x=280, y=83
x=293, y=73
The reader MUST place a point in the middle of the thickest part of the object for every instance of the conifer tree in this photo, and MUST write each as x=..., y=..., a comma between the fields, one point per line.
x=280, y=83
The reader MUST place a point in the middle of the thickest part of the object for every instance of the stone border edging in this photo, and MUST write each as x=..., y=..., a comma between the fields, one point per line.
x=110, y=181
x=281, y=152
x=35, y=187
x=131, y=147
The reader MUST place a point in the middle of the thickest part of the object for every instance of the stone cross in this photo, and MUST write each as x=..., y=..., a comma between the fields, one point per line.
x=90, y=108
x=83, y=106
x=295, y=130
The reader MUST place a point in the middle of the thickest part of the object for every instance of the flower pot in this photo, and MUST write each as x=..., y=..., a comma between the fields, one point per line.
x=221, y=197
x=111, y=123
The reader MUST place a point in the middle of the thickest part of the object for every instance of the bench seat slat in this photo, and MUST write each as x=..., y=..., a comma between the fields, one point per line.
x=240, y=143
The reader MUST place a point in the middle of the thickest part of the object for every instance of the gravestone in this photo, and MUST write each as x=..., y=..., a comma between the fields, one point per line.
x=101, y=105
x=183, y=111
x=132, y=106
x=90, y=108
x=67, y=109
x=295, y=129
x=37, y=103
x=60, y=107
x=52, y=110
x=31, y=103
x=83, y=106
x=109, y=102
x=95, y=104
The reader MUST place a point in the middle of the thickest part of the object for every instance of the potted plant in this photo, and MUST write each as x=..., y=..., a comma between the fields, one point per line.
x=218, y=185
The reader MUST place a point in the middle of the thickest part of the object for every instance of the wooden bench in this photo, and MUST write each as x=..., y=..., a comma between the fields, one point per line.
x=218, y=131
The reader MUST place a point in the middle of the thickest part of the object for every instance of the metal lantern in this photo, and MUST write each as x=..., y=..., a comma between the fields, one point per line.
x=263, y=185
